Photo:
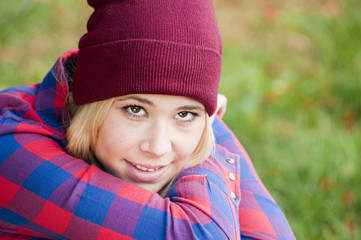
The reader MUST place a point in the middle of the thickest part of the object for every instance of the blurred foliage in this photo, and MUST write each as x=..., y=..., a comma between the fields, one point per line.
x=33, y=33
x=292, y=75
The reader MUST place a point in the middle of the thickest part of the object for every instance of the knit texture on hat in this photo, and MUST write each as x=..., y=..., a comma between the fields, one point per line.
x=169, y=47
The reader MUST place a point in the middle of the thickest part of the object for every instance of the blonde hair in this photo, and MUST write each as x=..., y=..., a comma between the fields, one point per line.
x=83, y=130
x=87, y=119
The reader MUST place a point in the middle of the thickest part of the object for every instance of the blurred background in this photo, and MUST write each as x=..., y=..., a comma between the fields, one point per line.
x=292, y=75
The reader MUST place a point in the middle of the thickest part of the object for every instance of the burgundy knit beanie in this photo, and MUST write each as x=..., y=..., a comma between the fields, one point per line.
x=169, y=47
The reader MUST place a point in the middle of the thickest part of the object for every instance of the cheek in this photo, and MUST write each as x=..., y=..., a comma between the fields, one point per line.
x=115, y=138
x=190, y=141
x=109, y=140
x=104, y=144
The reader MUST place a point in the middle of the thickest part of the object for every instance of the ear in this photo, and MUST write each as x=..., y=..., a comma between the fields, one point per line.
x=221, y=107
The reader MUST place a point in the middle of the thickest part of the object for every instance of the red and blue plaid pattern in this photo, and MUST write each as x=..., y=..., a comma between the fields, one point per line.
x=46, y=193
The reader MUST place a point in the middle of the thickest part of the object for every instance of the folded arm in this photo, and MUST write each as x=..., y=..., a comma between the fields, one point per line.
x=45, y=191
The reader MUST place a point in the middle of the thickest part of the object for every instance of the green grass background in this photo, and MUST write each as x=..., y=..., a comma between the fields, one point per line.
x=292, y=75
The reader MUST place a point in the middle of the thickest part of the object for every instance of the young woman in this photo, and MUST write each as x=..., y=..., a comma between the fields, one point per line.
x=146, y=78
x=146, y=139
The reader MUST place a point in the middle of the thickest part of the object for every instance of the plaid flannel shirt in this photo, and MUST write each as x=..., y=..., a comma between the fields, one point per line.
x=46, y=193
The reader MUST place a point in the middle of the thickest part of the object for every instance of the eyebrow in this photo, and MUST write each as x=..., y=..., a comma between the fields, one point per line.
x=139, y=99
x=146, y=101
x=191, y=108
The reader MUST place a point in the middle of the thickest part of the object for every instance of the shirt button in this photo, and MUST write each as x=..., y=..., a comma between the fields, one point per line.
x=230, y=160
x=233, y=195
x=232, y=177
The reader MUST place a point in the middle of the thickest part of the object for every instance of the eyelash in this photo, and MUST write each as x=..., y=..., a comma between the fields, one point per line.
x=194, y=116
x=129, y=111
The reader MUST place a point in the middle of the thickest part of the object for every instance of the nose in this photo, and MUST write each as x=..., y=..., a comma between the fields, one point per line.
x=157, y=140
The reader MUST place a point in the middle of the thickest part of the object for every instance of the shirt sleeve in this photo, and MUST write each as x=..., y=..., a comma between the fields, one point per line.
x=259, y=215
x=47, y=193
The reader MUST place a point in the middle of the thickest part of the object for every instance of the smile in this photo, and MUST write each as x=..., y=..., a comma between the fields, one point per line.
x=144, y=168
x=145, y=173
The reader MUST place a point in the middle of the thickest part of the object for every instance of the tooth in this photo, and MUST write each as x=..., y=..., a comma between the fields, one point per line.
x=144, y=168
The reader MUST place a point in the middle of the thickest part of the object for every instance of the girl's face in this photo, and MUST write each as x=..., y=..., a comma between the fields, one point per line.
x=148, y=139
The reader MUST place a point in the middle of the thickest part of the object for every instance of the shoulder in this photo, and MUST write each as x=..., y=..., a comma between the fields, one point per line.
x=39, y=108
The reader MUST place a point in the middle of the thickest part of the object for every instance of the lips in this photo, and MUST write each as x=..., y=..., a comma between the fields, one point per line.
x=145, y=174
